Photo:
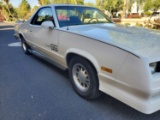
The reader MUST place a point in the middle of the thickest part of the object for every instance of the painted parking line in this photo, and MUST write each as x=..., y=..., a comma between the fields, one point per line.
x=16, y=44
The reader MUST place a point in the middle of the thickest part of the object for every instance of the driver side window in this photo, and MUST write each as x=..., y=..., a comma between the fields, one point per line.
x=42, y=15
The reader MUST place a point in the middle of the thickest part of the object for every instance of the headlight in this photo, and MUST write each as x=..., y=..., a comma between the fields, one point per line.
x=153, y=67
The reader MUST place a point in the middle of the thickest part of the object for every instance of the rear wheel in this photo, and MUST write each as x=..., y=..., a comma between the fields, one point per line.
x=84, y=78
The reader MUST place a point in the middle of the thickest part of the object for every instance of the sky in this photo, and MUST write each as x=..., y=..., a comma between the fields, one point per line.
x=35, y=2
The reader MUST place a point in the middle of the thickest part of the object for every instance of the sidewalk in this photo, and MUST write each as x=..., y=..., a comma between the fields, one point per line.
x=130, y=21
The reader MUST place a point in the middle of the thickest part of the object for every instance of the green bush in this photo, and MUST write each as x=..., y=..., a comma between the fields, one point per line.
x=139, y=25
x=148, y=13
x=127, y=24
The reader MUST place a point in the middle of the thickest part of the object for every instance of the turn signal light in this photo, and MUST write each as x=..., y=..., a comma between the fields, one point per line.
x=106, y=69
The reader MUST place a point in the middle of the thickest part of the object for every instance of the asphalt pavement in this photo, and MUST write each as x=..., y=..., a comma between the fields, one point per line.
x=33, y=89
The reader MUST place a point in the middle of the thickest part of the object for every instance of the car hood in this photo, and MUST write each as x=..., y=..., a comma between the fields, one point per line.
x=139, y=41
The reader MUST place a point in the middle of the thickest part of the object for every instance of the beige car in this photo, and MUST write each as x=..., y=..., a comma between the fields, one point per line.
x=121, y=61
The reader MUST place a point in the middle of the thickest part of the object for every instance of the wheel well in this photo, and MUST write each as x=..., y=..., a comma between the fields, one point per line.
x=23, y=40
x=71, y=55
x=21, y=36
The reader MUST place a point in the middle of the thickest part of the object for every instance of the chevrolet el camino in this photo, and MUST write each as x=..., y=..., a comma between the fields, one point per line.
x=121, y=61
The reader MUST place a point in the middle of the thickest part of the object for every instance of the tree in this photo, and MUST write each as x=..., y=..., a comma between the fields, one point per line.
x=75, y=1
x=7, y=5
x=89, y=4
x=1, y=8
x=34, y=8
x=1, y=5
x=67, y=1
x=40, y=3
x=8, y=15
x=23, y=9
x=110, y=5
x=5, y=13
x=13, y=11
x=156, y=4
x=129, y=4
x=44, y=2
x=80, y=2
x=148, y=5
x=29, y=14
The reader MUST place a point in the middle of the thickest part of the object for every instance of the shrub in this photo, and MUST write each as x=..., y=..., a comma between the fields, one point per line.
x=152, y=25
x=157, y=23
x=148, y=13
x=139, y=25
x=127, y=24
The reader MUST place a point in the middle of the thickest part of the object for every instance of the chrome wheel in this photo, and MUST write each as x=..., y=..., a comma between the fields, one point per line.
x=84, y=77
x=81, y=77
x=24, y=46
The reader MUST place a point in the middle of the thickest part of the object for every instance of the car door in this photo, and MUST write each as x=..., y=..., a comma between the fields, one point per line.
x=44, y=40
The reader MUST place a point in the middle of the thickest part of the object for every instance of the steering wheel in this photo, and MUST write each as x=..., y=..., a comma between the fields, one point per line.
x=93, y=19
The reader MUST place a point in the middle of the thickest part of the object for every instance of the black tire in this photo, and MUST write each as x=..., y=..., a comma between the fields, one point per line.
x=81, y=71
x=25, y=47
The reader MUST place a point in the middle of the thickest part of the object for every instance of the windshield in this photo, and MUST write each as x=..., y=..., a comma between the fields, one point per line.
x=78, y=15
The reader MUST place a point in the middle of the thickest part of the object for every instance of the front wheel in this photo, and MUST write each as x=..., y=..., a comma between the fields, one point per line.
x=84, y=78
x=25, y=47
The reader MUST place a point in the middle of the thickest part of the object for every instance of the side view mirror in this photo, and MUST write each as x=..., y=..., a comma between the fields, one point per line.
x=48, y=24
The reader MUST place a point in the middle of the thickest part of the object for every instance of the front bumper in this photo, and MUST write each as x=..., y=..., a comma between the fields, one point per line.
x=144, y=102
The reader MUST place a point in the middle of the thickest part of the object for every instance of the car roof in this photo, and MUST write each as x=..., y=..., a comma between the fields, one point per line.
x=55, y=5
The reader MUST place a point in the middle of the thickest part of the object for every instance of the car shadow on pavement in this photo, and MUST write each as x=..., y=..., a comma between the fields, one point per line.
x=58, y=70
x=126, y=111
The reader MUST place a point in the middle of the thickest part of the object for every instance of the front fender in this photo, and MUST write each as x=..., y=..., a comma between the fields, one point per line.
x=21, y=34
